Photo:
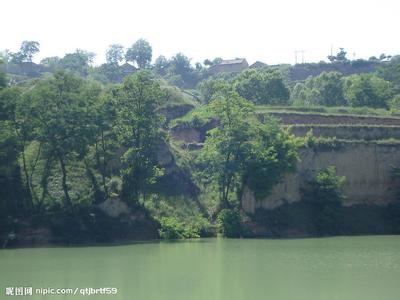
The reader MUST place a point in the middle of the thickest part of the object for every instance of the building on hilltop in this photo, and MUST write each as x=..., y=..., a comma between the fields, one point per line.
x=127, y=69
x=230, y=66
x=258, y=65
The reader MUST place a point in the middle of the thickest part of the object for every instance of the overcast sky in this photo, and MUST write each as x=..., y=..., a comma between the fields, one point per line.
x=269, y=31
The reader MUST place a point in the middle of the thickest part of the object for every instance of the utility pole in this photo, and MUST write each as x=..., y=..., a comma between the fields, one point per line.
x=302, y=56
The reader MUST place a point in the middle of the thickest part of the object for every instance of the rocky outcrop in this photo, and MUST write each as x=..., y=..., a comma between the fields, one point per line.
x=171, y=112
x=177, y=179
x=192, y=134
x=366, y=166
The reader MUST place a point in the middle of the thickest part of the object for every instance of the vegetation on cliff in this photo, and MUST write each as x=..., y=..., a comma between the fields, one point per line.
x=87, y=149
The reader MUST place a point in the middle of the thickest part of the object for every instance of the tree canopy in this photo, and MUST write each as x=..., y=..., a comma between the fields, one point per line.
x=324, y=89
x=367, y=90
x=27, y=50
x=139, y=130
x=242, y=151
x=262, y=87
x=140, y=52
x=115, y=54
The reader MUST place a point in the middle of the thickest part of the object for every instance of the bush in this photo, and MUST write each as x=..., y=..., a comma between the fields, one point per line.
x=229, y=223
x=324, y=194
x=262, y=87
x=326, y=187
x=173, y=229
x=367, y=90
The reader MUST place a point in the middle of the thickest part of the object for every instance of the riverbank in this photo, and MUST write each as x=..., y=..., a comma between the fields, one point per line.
x=297, y=220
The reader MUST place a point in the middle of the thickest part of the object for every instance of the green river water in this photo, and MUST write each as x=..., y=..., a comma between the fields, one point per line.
x=340, y=268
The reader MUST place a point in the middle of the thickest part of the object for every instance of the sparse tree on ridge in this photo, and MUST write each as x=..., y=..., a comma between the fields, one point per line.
x=140, y=52
x=27, y=50
x=115, y=54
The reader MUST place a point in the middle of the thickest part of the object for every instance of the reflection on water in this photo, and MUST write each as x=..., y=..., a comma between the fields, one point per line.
x=329, y=268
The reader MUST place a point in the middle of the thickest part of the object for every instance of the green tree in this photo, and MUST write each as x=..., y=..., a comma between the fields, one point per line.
x=18, y=110
x=262, y=87
x=180, y=64
x=325, y=194
x=77, y=62
x=115, y=54
x=243, y=151
x=209, y=87
x=12, y=192
x=138, y=129
x=105, y=144
x=140, y=52
x=182, y=72
x=340, y=56
x=390, y=71
x=161, y=65
x=61, y=111
x=107, y=73
x=273, y=154
x=3, y=77
x=27, y=50
x=324, y=89
x=53, y=63
x=229, y=223
x=215, y=61
x=13, y=199
x=367, y=90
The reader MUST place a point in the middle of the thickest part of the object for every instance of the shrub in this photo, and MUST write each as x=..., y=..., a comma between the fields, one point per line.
x=262, y=87
x=326, y=187
x=229, y=223
x=367, y=90
x=324, y=194
x=172, y=229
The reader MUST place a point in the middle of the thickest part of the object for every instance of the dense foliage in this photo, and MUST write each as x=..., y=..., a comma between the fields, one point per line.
x=229, y=223
x=324, y=89
x=262, y=87
x=367, y=90
x=74, y=136
x=242, y=151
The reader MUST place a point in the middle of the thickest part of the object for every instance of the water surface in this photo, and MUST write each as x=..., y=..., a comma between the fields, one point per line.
x=340, y=268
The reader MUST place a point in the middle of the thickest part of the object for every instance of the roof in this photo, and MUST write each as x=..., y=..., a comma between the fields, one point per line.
x=258, y=64
x=128, y=67
x=232, y=61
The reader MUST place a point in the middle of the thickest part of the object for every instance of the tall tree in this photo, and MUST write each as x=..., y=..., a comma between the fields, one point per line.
x=180, y=64
x=26, y=52
x=19, y=113
x=242, y=151
x=339, y=57
x=115, y=54
x=3, y=77
x=53, y=63
x=161, y=65
x=61, y=110
x=262, y=87
x=367, y=90
x=138, y=129
x=324, y=89
x=140, y=52
x=78, y=62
